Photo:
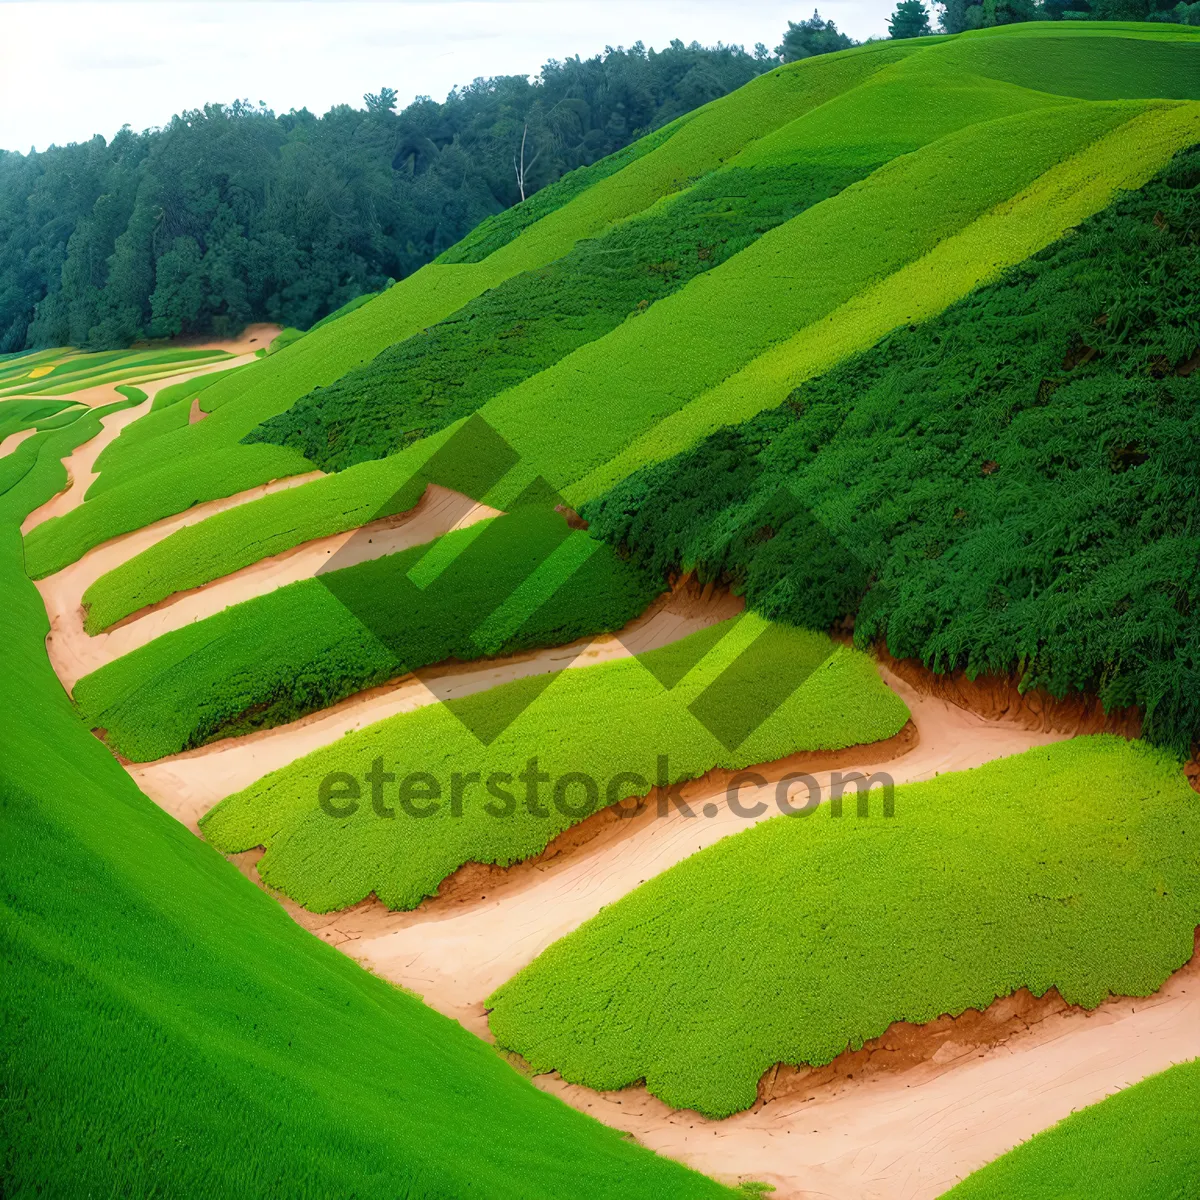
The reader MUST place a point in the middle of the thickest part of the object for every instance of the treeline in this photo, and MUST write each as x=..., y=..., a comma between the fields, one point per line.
x=232, y=214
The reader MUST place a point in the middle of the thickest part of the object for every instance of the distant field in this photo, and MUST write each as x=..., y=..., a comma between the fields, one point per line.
x=1072, y=866
x=59, y=372
x=607, y=721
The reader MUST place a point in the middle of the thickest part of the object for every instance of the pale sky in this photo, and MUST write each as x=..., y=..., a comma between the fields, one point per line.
x=71, y=70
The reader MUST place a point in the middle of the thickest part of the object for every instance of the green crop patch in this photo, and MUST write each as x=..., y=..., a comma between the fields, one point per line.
x=304, y=647
x=1014, y=476
x=595, y=735
x=1140, y=1144
x=1072, y=866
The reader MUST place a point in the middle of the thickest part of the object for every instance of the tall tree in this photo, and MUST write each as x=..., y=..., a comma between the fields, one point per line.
x=814, y=36
x=911, y=19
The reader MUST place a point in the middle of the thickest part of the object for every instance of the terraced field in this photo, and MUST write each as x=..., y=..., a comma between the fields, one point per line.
x=725, y=633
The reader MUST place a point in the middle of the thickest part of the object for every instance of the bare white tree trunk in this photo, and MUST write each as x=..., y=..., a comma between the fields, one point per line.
x=520, y=166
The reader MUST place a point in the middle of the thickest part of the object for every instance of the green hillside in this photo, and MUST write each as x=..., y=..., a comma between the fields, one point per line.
x=1136, y=1145
x=902, y=345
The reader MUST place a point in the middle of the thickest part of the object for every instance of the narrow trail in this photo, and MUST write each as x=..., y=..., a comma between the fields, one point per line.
x=904, y=1134
x=75, y=653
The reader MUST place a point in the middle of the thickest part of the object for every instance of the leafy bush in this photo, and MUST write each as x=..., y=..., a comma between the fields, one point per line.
x=604, y=721
x=1073, y=866
x=302, y=648
x=1006, y=487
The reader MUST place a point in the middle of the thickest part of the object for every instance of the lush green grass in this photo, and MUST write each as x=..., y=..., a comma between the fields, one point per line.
x=189, y=388
x=16, y=415
x=1141, y=1144
x=172, y=1032
x=206, y=460
x=1108, y=68
x=527, y=323
x=1010, y=486
x=535, y=319
x=603, y=721
x=306, y=646
x=689, y=344
x=1073, y=866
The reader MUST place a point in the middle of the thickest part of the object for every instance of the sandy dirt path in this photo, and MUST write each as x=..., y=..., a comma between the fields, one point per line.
x=911, y=1135
x=74, y=653
x=187, y=785
x=10, y=443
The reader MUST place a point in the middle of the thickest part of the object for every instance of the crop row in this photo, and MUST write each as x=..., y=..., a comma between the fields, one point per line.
x=521, y=581
x=593, y=736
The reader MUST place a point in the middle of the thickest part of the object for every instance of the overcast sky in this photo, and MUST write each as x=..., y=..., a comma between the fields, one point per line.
x=71, y=70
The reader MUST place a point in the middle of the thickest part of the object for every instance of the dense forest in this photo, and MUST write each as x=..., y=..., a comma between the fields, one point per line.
x=231, y=213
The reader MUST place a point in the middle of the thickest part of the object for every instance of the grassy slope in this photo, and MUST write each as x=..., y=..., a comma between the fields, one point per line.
x=1071, y=556
x=172, y=1032
x=1073, y=866
x=535, y=319
x=600, y=720
x=551, y=440
x=1141, y=1144
x=306, y=646
x=206, y=461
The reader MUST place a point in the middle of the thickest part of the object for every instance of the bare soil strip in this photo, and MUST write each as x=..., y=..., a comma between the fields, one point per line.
x=76, y=654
